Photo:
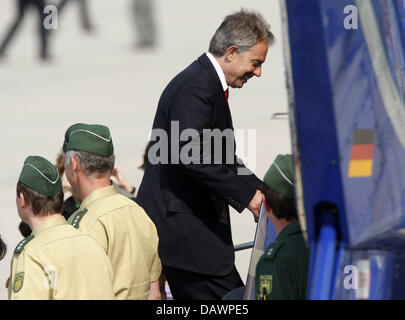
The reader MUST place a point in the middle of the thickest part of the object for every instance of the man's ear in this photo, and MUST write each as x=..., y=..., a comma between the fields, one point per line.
x=266, y=206
x=231, y=53
x=22, y=201
x=74, y=164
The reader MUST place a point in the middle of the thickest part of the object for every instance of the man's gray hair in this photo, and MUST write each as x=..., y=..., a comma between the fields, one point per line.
x=243, y=29
x=92, y=164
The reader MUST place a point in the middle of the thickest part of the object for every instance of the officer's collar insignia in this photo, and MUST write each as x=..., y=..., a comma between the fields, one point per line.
x=265, y=286
x=18, y=282
x=273, y=249
x=22, y=244
x=78, y=218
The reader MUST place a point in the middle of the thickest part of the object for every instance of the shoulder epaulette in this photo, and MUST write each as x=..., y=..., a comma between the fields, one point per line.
x=273, y=249
x=79, y=216
x=124, y=192
x=22, y=244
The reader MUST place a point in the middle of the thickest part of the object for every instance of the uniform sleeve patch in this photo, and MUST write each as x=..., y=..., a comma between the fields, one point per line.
x=18, y=282
x=22, y=244
x=265, y=286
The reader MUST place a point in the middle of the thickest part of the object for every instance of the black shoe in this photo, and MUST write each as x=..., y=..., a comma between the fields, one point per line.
x=45, y=57
x=88, y=28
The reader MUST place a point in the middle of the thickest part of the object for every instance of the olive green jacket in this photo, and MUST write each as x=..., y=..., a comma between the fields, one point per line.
x=282, y=271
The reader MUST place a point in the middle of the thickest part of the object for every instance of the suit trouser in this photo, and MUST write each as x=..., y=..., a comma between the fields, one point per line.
x=83, y=9
x=188, y=285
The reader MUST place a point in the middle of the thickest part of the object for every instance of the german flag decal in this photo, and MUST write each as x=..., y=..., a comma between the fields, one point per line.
x=361, y=160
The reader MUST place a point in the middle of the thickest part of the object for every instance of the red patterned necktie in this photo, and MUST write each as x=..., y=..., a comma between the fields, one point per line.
x=226, y=94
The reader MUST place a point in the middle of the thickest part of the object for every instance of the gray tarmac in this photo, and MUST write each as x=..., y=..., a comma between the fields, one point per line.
x=102, y=78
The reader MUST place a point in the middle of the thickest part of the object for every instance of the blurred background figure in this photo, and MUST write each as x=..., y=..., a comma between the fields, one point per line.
x=118, y=177
x=145, y=24
x=83, y=13
x=22, y=7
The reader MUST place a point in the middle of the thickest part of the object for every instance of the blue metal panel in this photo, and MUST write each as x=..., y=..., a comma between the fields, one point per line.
x=324, y=264
x=398, y=278
x=340, y=81
x=335, y=85
x=314, y=111
x=374, y=206
x=381, y=275
x=338, y=263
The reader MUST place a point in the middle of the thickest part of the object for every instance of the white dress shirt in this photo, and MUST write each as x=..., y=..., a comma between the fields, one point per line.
x=218, y=69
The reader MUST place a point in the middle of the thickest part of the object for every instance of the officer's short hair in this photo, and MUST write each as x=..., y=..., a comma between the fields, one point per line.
x=3, y=249
x=282, y=207
x=92, y=164
x=243, y=29
x=42, y=205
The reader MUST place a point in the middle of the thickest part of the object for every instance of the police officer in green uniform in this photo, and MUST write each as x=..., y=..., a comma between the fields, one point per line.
x=282, y=271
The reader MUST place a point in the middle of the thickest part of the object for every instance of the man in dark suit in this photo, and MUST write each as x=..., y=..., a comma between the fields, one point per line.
x=192, y=173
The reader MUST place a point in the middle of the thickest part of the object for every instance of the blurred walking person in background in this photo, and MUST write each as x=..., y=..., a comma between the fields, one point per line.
x=145, y=24
x=22, y=6
x=84, y=13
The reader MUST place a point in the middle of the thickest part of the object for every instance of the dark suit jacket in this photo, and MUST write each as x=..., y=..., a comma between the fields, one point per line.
x=189, y=202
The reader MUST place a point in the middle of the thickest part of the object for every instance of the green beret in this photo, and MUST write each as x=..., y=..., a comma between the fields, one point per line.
x=41, y=175
x=90, y=138
x=279, y=177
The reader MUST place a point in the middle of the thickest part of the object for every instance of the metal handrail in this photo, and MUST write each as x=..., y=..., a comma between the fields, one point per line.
x=243, y=246
x=280, y=116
